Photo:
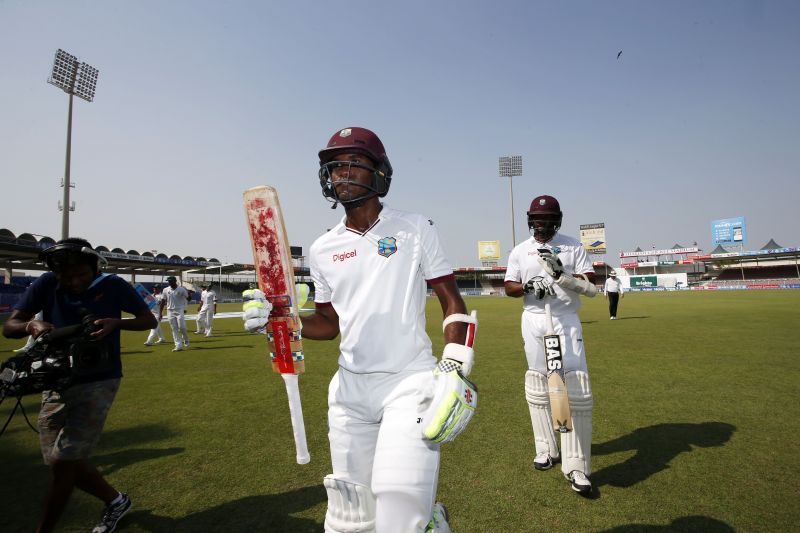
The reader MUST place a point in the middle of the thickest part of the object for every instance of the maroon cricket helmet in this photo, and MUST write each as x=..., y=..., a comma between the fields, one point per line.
x=544, y=217
x=360, y=141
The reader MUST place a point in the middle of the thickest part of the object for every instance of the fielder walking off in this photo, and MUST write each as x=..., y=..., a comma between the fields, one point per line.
x=175, y=300
x=613, y=290
x=554, y=267
x=206, y=309
x=386, y=415
x=158, y=311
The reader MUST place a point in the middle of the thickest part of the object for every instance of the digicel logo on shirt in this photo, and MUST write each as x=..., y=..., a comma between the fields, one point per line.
x=344, y=255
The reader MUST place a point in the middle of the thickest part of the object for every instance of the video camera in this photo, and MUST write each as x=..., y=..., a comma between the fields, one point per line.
x=54, y=360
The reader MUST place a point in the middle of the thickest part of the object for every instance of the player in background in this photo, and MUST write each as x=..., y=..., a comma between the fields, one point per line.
x=555, y=266
x=370, y=273
x=613, y=290
x=158, y=311
x=206, y=310
x=175, y=300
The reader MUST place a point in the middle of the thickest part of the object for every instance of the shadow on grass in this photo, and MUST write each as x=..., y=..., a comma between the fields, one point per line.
x=111, y=462
x=631, y=317
x=269, y=512
x=655, y=447
x=686, y=523
x=228, y=347
x=125, y=437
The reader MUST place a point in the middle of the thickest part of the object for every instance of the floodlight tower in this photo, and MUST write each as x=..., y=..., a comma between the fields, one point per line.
x=75, y=79
x=511, y=166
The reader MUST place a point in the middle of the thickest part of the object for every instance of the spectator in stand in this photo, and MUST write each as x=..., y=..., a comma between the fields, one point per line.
x=613, y=290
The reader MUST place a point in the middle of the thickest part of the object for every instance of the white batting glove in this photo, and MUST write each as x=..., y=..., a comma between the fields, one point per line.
x=550, y=263
x=452, y=405
x=539, y=287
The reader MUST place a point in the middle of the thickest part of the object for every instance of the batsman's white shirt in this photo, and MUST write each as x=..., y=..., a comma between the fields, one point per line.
x=376, y=284
x=176, y=298
x=523, y=265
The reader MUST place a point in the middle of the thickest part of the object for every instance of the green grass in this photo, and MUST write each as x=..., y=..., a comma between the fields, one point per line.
x=696, y=428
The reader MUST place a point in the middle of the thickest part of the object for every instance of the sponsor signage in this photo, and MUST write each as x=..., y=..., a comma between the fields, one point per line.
x=629, y=265
x=643, y=281
x=593, y=237
x=489, y=250
x=727, y=231
x=673, y=251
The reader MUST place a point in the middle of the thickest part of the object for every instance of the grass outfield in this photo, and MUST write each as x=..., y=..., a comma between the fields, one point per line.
x=696, y=428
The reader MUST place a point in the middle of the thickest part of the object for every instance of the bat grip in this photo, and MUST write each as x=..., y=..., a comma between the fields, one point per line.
x=296, y=414
x=549, y=316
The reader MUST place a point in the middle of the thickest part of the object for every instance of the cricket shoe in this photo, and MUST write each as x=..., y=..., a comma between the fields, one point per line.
x=439, y=520
x=177, y=349
x=149, y=343
x=112, y=514
x=543, y=461
x=580, y=483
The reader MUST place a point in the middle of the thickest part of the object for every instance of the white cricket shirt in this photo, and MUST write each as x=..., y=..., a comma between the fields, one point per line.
x=176, y=298
x=523, y=265
x=613, y=285
x=376, y=284
x=207, y=299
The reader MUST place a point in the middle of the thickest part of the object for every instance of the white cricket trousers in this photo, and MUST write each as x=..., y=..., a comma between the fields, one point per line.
x=376, y=439
x=534, y=327
x=156, y=332
x=576, y=449
x=177, y=322
x=205, y=319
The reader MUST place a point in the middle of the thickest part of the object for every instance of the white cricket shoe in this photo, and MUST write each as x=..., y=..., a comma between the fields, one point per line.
x=613, y=318
x=438, y=523
x=543, y=461
x=580, y=483
x=177, y=349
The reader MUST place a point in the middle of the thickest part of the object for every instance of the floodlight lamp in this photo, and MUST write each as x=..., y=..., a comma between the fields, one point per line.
x=510, y=166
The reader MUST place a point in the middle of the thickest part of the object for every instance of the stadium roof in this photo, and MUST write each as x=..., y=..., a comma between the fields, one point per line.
x=22, y=253
x=771, y=245
x=719, y=250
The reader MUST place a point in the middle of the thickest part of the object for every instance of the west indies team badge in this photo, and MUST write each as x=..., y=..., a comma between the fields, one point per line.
x=387, y=246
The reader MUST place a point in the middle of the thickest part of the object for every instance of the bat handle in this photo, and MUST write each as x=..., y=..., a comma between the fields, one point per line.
x=549, y=317
x=296, y=414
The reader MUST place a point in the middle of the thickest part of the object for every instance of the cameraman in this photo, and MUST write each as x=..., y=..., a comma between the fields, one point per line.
x=71, y=420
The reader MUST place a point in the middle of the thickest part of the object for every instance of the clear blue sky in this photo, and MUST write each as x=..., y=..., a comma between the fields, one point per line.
x=698, y=119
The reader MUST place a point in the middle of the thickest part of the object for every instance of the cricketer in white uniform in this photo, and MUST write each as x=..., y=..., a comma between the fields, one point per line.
x=555, y=268
x=205, y=313
x=157, y=311
x=175, y=300
x=370, y=274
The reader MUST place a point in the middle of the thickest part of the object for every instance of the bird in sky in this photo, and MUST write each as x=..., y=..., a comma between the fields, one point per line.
x=619, y=54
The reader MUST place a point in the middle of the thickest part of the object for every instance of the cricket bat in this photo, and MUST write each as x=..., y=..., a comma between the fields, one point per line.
x=275, y=275
x=556, y=384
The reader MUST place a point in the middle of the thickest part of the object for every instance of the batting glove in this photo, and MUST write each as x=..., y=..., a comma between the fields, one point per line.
x=539, y=287
x=550, y=263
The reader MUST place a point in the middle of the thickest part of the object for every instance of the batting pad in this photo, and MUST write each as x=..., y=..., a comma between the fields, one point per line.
x=351, y=507
x=576, y=446
x=536, y=393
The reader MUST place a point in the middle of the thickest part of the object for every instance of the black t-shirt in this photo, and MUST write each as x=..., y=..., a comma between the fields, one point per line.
x=106, y=297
